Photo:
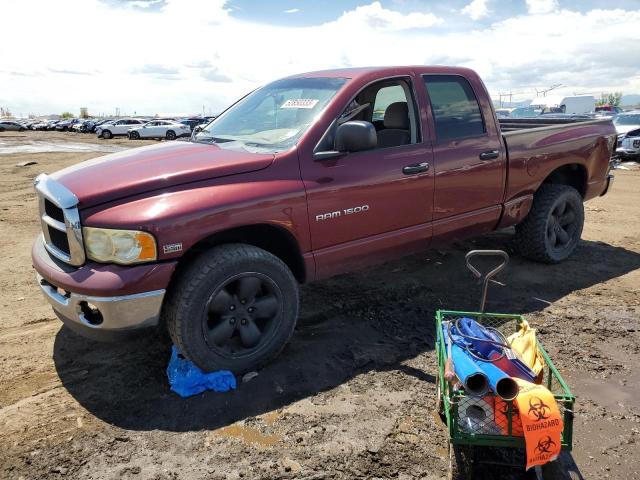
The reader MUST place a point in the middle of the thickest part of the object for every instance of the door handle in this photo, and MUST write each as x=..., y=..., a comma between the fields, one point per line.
x=415, y=168
x=490, y=155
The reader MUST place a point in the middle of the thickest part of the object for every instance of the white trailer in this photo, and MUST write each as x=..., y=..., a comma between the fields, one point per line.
x=576, y=104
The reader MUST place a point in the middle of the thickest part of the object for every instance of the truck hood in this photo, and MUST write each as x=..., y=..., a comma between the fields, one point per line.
x=140, y=170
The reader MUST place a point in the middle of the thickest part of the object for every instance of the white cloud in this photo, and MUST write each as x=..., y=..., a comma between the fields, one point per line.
x=477, y=9
x=213, y=58
x=376, y=17
x=292, y=10
x=541, y=6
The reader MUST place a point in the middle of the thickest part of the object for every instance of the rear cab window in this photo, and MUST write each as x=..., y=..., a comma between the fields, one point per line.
x=455, y=108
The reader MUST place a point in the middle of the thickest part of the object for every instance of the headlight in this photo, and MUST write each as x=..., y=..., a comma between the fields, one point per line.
x=119, y=246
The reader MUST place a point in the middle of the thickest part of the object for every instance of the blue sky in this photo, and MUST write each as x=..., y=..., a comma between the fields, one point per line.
x=151, y=56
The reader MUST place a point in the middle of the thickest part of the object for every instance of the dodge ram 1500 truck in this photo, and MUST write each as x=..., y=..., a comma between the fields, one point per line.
x=307, y=177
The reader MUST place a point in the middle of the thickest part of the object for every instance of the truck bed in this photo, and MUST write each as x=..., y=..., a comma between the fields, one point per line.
x=511, y=124
x=536, y=151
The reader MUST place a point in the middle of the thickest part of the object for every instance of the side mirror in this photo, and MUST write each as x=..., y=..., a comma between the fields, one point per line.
x=355, y=136
x=197, y=129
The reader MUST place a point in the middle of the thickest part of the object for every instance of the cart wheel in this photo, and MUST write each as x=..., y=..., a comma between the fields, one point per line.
x=460, y=462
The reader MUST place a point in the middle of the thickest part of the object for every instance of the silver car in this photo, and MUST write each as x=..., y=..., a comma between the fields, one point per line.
x=9, y=125
x=628, y=128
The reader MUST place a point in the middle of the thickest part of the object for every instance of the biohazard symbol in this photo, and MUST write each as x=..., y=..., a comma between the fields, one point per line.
x=545, y=445
x=538, y=409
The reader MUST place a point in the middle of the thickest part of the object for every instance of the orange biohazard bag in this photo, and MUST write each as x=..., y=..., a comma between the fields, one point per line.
x=501, y=416
x=541, y=423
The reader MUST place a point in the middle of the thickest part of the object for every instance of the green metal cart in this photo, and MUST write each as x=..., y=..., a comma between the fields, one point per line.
x=470, y=427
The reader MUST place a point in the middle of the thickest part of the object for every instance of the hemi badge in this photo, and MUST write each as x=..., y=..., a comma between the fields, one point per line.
x=172, y=248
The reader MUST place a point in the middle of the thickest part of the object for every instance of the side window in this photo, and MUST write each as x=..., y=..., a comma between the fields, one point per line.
x=456, y=112
x=385, y=97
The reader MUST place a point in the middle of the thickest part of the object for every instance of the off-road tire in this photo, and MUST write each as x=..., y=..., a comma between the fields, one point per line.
x=106, y=134
x=170, y=135
x=186, y=304
x=532, y=235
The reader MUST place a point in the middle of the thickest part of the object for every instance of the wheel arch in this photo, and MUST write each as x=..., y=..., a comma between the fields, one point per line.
x=274, y=239
x=571, y=174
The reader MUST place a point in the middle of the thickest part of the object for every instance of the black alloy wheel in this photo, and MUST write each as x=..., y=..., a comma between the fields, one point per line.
x=171, y=135
x=552, y=230
x=242, y=314
x=562, y=225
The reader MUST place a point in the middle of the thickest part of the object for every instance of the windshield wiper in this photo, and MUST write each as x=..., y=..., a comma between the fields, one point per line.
x=209, y=139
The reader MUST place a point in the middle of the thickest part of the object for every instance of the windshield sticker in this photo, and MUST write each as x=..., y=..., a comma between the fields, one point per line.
x=300, y=103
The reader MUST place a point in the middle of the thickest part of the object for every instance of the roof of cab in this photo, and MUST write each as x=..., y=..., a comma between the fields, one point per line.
x=356, y=72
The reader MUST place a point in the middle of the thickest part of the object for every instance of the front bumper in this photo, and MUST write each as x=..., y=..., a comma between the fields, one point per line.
x=608, y=184
x=103, y=314
x=102, y=301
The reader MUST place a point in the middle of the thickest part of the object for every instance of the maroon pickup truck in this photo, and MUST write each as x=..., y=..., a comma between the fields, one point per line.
x=307, y=177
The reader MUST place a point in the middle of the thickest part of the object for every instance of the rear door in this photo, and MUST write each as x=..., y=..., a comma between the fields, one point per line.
x=468, y=161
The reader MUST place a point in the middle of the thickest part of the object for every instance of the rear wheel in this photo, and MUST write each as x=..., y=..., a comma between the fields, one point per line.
x=552, y=230
x=234, y=308
x=107, y=134
x=171, y=135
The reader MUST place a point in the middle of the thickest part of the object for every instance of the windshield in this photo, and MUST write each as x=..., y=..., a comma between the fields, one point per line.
x=627, y=119
x=274, y=117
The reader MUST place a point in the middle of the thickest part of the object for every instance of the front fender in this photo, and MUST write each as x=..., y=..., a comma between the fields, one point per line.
x=182, y=216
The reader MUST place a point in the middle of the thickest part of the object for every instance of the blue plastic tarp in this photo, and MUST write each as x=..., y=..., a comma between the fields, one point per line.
x=186, y=379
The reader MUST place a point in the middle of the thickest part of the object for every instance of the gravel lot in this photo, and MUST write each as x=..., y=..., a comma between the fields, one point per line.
x=350, y=397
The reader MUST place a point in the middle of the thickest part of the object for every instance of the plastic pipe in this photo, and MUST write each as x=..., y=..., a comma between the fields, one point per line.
x=502, y=384
x=474, y=380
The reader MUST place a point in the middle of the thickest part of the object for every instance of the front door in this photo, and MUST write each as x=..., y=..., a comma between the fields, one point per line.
x=374, y=201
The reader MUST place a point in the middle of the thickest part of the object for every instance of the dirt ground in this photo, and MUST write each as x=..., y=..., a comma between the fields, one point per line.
x=350, y=397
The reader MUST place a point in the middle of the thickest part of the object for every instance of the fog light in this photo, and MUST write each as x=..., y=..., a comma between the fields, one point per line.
x=91, y=313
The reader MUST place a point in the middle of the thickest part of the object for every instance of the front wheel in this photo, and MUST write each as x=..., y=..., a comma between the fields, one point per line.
x=552, y=230
x=134, y=135
x=171, y=135
x=233, y=308
x=106, y=134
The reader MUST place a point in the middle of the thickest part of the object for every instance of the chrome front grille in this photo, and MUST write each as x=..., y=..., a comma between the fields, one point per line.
x=60, y=220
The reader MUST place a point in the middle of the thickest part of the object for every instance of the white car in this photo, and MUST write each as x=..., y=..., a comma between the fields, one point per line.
x=628, y=128
x=117, y=127
x=168, y=129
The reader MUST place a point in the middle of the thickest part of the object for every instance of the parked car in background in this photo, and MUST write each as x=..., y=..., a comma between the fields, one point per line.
x=629, y=146
x=10, y=125
x=193, y=122
x=117, y=127
x=503, y=112
x=627, y=121
x=169, y=129
x=523, y=112
x=67, y=125
x=609, y=108
x=51, y=124
x=100, y=122
x=40, y=125
x=628, y=129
